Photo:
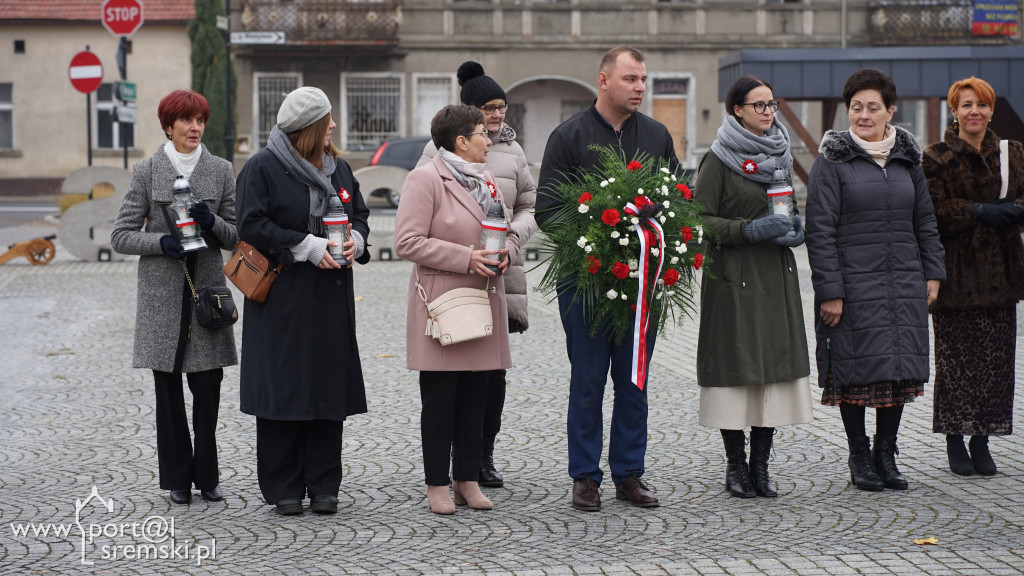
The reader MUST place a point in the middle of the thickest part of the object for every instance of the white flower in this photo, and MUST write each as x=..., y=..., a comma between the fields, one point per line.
x=665, y=170
x=674, y=260
x=589, y=248
x=681, y=248
x=655, y=251
x=666, y=179
x=671, y=214
x=624, y=241
x=634, y=220
x=615, y=234
x=604, y=183
x=658, y=295
x=666, y=203
x=633, y=264
x=700, y=234
x=612, y=294
x=583, y=208
x=631, y=228
x=582, y=241
x=634, y=274
x=664, y=189
x=662, y=218
x=611, y=180
x=640, y=191
x=624, y=297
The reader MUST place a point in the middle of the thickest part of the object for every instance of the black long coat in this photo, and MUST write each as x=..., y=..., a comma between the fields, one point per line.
x=872, y=241
x=300, y=359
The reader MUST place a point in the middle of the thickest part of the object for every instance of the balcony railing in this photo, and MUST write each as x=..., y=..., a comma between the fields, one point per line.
x=901, y=22
x=345, y=22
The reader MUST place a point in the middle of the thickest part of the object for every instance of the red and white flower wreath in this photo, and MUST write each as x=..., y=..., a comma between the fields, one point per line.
x=749, y=166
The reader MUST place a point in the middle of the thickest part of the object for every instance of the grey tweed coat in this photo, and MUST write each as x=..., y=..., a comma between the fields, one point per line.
x=167, y=337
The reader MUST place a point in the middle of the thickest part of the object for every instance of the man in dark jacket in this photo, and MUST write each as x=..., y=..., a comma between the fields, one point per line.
x=613, y=119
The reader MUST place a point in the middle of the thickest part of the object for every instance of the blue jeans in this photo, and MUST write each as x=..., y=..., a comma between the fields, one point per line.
x=591, y=359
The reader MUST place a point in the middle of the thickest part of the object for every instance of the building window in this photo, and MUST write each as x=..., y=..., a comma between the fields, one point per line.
x=269, y=91
x=111, y=134
x=6, y=116
x=670, y=106
x=433, y=92
x=371, y=107
x=19, y=46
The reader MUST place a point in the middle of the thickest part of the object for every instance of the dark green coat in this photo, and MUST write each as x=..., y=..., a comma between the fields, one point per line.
x=751, y=318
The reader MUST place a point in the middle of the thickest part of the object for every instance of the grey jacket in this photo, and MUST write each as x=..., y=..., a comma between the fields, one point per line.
x=167, y=337
x=507, y=162
x=872, y=241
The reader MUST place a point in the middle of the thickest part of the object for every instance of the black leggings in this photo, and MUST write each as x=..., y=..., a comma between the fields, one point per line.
x=887, y=420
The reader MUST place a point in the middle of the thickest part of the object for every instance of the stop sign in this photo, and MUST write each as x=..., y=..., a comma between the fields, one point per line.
x=122, y=17
x=85, y=72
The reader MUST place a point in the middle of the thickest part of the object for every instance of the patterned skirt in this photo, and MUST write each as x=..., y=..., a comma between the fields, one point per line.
x=878, y=395
x=974, y=371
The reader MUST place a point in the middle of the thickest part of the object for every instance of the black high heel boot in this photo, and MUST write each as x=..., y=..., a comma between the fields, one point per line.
x=862, y=471
x=489, y=475
x=760, y=452
x=883, y=455
x=981, y=457
x=959, y=460
x=737, y=476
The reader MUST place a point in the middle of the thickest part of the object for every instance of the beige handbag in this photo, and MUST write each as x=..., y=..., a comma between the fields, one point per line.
x=458, y=315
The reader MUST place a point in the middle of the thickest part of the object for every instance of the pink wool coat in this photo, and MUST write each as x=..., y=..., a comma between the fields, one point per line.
x=437, y=222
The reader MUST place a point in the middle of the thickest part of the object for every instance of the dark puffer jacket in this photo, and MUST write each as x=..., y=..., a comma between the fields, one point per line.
x=984, y=265
x=872, y=241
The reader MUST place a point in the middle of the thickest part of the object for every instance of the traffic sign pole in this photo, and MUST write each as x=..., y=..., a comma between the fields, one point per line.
x=86, y=75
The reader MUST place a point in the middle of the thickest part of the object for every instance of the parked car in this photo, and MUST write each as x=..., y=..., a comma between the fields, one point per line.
x=401, y=152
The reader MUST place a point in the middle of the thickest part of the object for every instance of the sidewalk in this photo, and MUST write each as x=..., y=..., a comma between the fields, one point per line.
x=74, y=415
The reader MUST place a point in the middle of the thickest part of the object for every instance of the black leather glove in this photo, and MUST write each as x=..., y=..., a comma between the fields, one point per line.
x=794, y=237
x=767, y=228
x=1017, y=210
x=996, y=214
x=200, y=212
x=171, y=247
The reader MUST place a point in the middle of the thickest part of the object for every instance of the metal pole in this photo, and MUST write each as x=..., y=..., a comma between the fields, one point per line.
x=124, y=76
x=88, y=123
x=842, y=24
x=229, y=136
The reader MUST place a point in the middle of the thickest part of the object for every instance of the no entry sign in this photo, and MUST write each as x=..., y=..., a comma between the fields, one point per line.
x=122, y=17
x=85, y=72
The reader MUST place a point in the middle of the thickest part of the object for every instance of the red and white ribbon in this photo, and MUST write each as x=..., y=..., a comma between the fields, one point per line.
x=644, y=294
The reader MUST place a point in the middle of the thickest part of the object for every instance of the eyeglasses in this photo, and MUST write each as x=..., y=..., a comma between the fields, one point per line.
x=471, y=134
x=491, y=108
x=760, y=106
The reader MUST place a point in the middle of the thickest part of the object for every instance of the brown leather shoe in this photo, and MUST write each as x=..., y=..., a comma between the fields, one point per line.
x=636, y=492
x=586, y=495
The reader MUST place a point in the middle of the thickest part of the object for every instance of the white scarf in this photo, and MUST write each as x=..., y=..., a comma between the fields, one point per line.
x=183, y=163
x=879, y=151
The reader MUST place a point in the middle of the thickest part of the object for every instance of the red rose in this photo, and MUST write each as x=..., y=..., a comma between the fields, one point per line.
x=595, y=265
x=585, y=197
x=610, y=217
x=641, y=201
x=344, y=195
x=634, y=165
x=687, y=234
x=620, y=270
x=671, y=276
x=697, y=261
x=684, y=190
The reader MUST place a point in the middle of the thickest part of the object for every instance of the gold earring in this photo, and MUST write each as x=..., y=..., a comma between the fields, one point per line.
x=956, y=122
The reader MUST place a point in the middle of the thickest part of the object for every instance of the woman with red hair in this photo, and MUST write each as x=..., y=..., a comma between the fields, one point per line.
x=168, y=340
x=976, y=182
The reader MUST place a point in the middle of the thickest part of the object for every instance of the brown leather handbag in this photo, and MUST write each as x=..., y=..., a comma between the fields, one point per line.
x=250, y=272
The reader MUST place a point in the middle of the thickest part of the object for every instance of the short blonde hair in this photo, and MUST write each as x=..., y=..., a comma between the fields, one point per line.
x=983, y=89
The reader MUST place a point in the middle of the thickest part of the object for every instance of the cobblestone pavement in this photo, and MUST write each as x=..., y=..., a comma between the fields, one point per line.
x=74, y=415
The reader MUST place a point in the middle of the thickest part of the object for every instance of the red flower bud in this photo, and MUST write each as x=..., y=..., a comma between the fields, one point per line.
x=697, y=261
x=610, y=217
x=585, y=197
x=634, y=165
x=620, y=270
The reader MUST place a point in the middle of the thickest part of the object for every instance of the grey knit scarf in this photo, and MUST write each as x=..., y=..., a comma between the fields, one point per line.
x=470, y=175
x=318, y=181
x=736, y=145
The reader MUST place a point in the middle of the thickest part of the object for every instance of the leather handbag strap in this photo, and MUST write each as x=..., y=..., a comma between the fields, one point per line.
x=423, y=292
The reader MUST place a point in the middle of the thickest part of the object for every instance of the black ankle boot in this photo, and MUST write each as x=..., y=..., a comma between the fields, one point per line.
x=959, y=460
x=760, y=451
x=981, y=457
x=489, y=476
x=862, y=471
x=737, y=476
x=883, y=456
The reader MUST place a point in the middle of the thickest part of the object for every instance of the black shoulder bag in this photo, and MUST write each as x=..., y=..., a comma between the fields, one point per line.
x=214, y=306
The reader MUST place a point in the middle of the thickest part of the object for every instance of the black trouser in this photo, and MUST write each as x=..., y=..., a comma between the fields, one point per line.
x=296, y=457
x=495, y=405
x=452, y=417
x=180, y=466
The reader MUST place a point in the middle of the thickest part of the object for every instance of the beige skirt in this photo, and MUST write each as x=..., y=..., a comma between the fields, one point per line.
x=763, y=405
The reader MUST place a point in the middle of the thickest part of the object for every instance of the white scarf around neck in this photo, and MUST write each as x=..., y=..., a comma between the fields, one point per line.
x=183, y=163
x=879, y=151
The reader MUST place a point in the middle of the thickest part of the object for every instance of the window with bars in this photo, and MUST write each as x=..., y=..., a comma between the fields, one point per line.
x=371, y=107
x=433, y=92
x=6, y=116
x=269, y=91
x=109, y=133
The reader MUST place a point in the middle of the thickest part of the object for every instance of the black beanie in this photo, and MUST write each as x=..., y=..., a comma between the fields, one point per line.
x=477, y=89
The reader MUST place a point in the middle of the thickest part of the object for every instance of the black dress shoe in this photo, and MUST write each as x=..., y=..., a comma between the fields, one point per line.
x=289, y=506
x=213, y=494
x=586, y=495
x=181, y=496
x=324, y=504
x=636, y=492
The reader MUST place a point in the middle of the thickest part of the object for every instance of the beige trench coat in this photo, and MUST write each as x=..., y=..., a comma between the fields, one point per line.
x=437, y=222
